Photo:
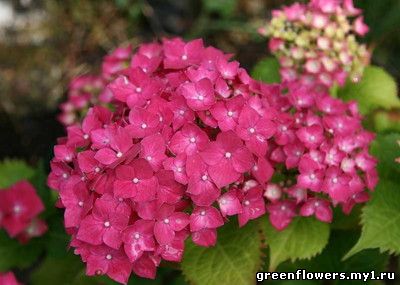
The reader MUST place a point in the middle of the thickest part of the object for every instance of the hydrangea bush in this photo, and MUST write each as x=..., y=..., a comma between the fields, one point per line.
x=192, y=140
x=174, y=154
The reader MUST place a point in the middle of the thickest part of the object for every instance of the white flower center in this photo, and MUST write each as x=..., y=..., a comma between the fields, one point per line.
x=203, y=213
x=246, y=202
x=312, y=176
x=85, y=136
x=334, y=180
x=179, y=169
x=283, y=128
x=119, y=154
x=137, y=236
x=80, y=204
x=204, y=177
x=97, y=169
x=144, y=126
x=193, y=140
x=138, y=89
x=230, y=113
x=184, y=57
x=252, y=130
x=201, y=97
x=109, y=256
x=135, y=180
x=65, y=175
x=107, y=224
x=17, y=209
x=166, y=221
x=228, y=154
x=149, y=158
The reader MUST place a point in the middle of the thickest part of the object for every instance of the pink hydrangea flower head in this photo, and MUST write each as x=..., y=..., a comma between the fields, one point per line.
x=19, y=206
x=177, y=144
x=326, y=164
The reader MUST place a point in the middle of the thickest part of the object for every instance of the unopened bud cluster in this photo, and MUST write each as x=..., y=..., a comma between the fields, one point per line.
x=316, y=43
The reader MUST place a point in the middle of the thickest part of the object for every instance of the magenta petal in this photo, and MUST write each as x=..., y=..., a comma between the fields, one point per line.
x=205, y=237
x=146, y=190
x=179, y=221
x=106, y=156
x=91, y=231
x=324, y=213
x=212, y=154
x=125, y=189
x=112, y=238
x=145, y=267
x=242, y=160
x=163, y=232
x=229, y=204
x=223, y=173
x=120, y=270
x=133, y=251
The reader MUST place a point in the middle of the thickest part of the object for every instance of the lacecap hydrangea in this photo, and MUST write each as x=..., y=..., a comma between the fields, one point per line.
x=316, y=42
x=189, y=141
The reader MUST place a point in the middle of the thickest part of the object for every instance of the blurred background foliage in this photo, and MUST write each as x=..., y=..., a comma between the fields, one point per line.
x=44, y=43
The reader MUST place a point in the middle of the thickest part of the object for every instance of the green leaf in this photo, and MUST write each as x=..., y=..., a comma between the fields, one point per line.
x=57, y=240
x=58, y=271
x=11, y=171
x=302, y=239
x=69, y=270
x=381, y=220
x=386, y=149
x=225, y=8
x=341, y=221
x=386, y=121
x=14, y=254
x=267, y=70
x=235, y=259
x=330, y=260
x=376, y=89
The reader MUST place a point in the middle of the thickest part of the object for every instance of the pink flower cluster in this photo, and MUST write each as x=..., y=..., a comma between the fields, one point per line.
x=19, y=209
x=88, y=90
x=188, y=130
x=192, y=140
x=316, y=42
x=8, y=279
x=324, y=150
